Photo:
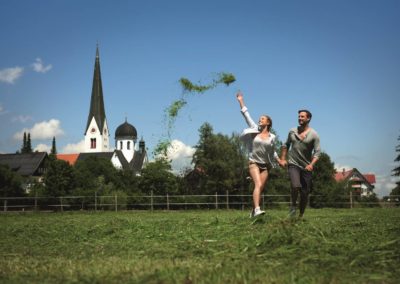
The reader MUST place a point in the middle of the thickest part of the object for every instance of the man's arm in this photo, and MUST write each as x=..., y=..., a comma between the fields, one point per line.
x=317, y=153
x=310, y=167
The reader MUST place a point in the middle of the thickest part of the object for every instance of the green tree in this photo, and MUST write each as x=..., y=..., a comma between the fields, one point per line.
x=395, y=193
x=10, y=183
x=326, y=191
x=396, y=171
x=221, y=161
x=23, y=148
x=59, y=178
x=26, y=144
x=29, y=144
x=53, y=147
x=157, y=177
x=88, y=171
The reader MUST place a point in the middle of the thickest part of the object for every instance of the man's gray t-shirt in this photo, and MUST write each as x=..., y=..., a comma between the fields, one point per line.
x=302, y=151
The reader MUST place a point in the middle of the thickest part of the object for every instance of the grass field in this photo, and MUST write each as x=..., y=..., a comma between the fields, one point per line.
x=217, y=246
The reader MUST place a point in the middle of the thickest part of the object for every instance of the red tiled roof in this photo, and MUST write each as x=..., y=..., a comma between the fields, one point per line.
x=370, y=178
x=339, y=176
x=70, y=158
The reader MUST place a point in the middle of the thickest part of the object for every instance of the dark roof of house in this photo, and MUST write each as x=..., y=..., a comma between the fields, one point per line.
x=97, y=102
x=24, y=164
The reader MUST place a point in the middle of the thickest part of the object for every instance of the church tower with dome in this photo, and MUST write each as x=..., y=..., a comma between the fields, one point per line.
x=127, y=154
x=125, y=140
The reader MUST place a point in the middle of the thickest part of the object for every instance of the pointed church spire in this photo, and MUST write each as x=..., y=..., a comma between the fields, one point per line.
x=97, y=102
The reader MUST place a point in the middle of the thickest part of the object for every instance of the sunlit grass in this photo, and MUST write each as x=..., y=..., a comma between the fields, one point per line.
x=218, y=246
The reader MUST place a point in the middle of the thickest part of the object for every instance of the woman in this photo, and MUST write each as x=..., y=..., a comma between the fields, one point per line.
x=260, y=143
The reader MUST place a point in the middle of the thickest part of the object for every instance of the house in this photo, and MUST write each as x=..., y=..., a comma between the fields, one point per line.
x=31, y=166
x=362, y=184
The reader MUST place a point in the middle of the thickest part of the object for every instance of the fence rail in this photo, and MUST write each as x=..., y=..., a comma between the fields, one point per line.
x=166, y=202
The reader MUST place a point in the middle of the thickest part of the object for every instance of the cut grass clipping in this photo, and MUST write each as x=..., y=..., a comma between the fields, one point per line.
x=171, y=112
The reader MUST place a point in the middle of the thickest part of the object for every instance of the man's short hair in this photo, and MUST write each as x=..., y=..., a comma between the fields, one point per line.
x=309, y=115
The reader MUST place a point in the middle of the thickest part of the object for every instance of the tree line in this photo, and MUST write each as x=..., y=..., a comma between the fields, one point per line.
x=219, y=166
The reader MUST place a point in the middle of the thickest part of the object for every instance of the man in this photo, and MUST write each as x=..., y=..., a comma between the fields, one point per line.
x=303, y=149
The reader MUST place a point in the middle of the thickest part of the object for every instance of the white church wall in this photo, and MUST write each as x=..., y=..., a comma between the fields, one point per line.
x=122, y=144
x=93, y=132
x=116, y=162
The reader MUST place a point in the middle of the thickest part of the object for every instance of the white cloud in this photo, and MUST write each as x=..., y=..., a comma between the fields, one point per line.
x=22, y=118
x=39, y=67
x=385, y=184
x=42, y=131
x=42, y=148
x=10, y=75
x=339, y=168
x=180, y=156
x=73, y=148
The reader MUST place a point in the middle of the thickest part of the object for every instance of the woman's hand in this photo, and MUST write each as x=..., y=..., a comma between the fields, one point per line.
x=239, y=96
x=282, y=163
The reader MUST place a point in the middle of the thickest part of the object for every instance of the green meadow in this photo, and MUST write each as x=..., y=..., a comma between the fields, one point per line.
x=210, y=246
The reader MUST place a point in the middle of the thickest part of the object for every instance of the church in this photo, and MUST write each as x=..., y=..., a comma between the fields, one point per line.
x=128, y=154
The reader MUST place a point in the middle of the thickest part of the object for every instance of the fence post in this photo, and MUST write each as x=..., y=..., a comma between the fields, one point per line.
x=184, y=198
x=351, y=198
x=216, y=200
x=95, y=201
x=167, y=201
x=116, y=202
x=5, y=205
x=36, y=202
x=227, y=199
x=151, y=200
x=61, y=205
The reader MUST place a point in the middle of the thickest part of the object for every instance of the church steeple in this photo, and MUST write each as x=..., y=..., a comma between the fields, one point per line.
x=97, y=134
x=97, y=102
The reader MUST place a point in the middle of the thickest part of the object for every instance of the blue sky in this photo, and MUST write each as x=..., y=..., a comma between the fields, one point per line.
x=340, y=59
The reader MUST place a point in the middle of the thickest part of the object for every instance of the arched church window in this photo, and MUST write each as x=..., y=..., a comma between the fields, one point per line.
x=92, y=143
x=128, y=145
x=120, y=145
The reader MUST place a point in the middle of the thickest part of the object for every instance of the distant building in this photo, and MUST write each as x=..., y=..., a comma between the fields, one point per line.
x=28, y=165
x=127, y=154
x=362, y=184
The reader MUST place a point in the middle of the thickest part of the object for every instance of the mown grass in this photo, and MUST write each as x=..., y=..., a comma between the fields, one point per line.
x=219, y=246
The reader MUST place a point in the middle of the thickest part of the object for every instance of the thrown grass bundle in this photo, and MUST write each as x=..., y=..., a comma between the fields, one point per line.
x=222, y=78
x=172, y=111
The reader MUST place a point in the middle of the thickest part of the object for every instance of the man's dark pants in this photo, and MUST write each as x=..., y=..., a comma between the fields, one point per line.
x=300, y=181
